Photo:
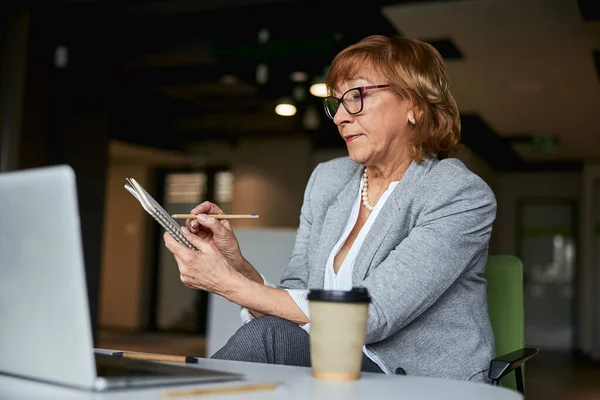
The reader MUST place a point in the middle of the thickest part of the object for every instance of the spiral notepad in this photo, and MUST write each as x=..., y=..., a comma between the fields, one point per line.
x=156, y=211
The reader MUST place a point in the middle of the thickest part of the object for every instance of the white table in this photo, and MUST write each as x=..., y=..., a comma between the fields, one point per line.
x=295, y=383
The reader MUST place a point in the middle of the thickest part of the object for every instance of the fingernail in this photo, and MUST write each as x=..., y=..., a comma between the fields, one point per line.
x=185, y=230
x=201, y=217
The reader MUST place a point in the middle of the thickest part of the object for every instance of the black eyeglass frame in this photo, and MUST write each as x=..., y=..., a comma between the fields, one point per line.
x=339, y=100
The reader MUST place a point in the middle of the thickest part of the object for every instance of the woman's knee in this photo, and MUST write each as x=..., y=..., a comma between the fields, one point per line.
x=268, y=339
x=267, y=329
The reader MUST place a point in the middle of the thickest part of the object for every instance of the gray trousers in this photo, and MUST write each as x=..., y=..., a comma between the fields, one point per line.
x=273, y=340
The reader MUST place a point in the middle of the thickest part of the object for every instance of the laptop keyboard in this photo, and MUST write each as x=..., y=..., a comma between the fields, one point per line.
x=108, y=371
x=115, y=366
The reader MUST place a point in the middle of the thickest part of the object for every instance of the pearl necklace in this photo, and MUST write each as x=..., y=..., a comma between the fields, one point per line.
x=365, y=196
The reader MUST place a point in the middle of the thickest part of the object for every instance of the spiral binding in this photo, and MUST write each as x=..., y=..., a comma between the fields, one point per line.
x=156, y=211
x=172, y=229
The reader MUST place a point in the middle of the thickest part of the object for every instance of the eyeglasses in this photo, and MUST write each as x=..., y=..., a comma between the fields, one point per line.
x=352, y=100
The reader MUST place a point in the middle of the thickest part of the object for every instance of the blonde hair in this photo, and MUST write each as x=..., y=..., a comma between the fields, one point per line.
x=416, y=71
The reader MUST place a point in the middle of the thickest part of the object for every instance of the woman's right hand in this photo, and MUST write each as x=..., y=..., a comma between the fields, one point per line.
x=217, y=231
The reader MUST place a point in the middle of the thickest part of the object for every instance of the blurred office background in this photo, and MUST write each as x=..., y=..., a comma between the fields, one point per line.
x=182, y=95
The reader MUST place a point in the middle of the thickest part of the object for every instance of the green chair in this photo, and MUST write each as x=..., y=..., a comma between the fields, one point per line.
x=504, y=275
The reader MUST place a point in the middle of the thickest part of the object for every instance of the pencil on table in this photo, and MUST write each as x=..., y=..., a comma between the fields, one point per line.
x=217, y=216
x=157, y=357
x=226, y=389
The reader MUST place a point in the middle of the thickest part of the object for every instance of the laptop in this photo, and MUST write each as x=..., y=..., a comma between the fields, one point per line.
x=46, y=332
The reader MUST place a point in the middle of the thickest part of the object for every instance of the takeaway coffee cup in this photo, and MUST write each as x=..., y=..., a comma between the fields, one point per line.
x=338, y=321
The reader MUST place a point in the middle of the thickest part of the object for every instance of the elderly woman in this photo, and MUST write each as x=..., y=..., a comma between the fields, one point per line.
x=397, y=217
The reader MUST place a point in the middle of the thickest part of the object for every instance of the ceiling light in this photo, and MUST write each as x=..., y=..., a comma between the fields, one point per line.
x=229, y=79
x=263, y=36
x=61, y=55
x=318, y=89
x=285, y=107
x=299, y=76
x=285, y=110
x=262, y=74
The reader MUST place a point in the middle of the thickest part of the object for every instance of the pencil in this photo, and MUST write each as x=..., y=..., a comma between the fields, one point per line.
x=157, y=357
x=225, y=389
x=217, y=216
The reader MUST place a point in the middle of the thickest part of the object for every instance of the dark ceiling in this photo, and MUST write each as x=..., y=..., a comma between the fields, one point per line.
x=168, y=60
x=174, y=61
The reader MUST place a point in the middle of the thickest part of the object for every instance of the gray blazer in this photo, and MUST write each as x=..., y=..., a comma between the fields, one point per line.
x=422, y=263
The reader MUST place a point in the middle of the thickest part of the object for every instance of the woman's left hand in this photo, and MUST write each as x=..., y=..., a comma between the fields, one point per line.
x=206, y=269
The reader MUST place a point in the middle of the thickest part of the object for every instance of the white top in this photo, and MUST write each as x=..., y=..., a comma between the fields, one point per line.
x=343, y=279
